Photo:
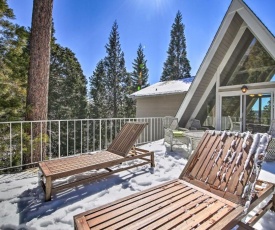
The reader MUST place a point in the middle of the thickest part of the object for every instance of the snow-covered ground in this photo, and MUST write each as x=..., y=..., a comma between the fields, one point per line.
x=22, y=203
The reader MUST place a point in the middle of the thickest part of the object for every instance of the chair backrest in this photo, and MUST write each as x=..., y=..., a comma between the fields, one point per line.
x=194, y=124
x=272, y=129
x=223, y=163
x=126, y=138
x=170, y=122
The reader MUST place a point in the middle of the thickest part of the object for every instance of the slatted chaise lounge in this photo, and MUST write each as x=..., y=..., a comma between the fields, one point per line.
x=120, y=150
x=212, y=192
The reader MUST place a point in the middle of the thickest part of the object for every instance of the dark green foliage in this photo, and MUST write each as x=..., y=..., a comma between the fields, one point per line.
x=176, y=65
x=129, y=103
x=67, y=86
x=116, y=75
x=14, y=59
x=140, y=73
x=98, y=92
x=67, y=100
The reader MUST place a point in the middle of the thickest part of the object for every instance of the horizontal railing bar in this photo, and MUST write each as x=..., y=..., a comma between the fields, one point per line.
x=96, y=119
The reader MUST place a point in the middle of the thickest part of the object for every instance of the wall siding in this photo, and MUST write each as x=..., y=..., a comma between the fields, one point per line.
x=159, y=106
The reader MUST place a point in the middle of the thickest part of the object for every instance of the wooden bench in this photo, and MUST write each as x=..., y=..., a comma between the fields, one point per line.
x=121, y=150
x=209, y=194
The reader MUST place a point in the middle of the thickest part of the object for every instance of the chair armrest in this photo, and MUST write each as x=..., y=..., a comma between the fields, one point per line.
x=183, y=129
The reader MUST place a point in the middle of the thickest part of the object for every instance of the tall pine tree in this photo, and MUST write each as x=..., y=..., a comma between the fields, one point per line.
x=14, y=59
x=177, y=65
x=115, y=74
x=140, y=73
x=98, y=92
x=67, y=85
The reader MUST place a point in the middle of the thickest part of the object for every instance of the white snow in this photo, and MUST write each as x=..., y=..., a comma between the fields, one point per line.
x=22, y=204
x=165, y=87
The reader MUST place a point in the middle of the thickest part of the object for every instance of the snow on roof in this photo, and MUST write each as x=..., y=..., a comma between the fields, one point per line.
x=165, y=87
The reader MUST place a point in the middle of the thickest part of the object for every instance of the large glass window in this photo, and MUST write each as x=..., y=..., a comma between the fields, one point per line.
x=258, y=112
x=254, y=65
x=207, y=111
x=230, y=119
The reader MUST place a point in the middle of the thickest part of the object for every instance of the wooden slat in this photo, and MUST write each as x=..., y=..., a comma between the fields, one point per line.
x=205, y=160
x=126, y=138
x=216, y=166
x=233, y=183
x=195, y=220
x=119, y=216
x=193, y=159
x=163, y=215
x=215, y=218
x=130, y=199
x=231, y=165
x=142, y=211
x=186, y=215
x=230, y=221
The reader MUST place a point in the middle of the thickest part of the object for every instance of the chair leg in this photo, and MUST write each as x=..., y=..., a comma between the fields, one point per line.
x=152, y=159
x=48, y=190
x=273, y=202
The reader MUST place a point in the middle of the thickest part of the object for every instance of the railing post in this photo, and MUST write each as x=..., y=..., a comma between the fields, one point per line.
x=100, y=134
x=21, y=137
x=81, y=136
x=74, y=137
x=50, y=139
x=31, y=144
x=88, y=139
x=94, y=135
x=67, y=138
x=106, y=134
x=59, y=140
x=41, y=141
x=10, y=146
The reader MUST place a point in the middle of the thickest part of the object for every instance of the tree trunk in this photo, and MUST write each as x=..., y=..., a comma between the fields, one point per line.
x=38, y=77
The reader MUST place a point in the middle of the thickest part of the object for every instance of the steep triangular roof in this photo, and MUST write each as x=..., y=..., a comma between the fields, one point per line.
x=238, y=18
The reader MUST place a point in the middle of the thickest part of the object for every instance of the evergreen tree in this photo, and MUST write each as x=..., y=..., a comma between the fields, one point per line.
x=140, y=73
x=129, y=103
x=115, y=74
x=176, y=65
x=13, y=65
x=67, y=85
x=98, y=92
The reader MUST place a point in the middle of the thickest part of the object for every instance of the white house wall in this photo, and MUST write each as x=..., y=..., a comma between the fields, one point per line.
x=158, y=106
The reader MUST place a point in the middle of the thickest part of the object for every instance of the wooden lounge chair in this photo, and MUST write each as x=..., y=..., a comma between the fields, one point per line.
x=120, y=150
x=211, y=192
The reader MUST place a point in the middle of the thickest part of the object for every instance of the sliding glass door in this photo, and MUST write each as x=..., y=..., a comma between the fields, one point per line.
x=250, y=112
x=257, y=112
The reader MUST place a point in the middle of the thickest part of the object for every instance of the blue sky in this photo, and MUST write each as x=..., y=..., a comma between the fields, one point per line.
x=84, y=26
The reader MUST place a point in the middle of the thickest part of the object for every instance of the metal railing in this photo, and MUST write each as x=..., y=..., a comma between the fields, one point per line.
x=27, y=142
